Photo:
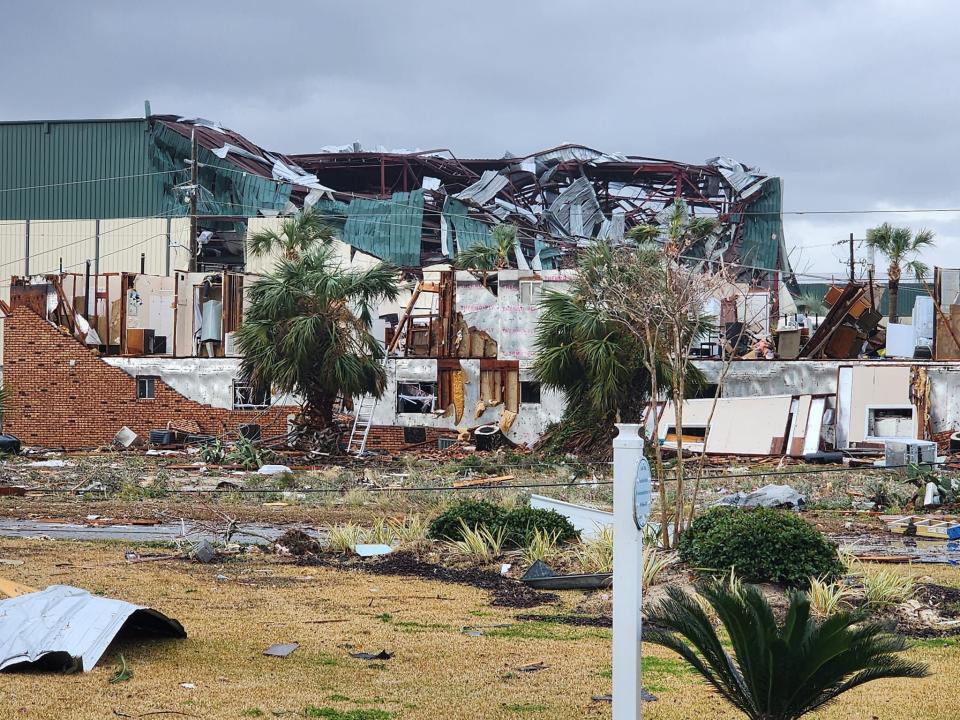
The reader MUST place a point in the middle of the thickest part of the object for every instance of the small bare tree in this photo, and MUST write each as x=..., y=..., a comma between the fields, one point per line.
x=654, y=291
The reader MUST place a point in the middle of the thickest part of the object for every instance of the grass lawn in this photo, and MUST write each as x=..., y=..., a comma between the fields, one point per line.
x=438, y=671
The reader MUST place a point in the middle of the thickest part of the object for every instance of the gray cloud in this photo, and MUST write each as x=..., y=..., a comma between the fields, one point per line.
x=852, y=103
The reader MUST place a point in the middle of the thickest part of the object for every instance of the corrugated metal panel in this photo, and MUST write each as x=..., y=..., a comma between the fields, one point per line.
x=261, y=264
x=227, y=190
x=73, y=624
x=122, y=241
x=72, y=241
x=763, y=227
x=467, y=231
x=264, y=264
x=390, y=230
x=12, y=250
x=81, y=169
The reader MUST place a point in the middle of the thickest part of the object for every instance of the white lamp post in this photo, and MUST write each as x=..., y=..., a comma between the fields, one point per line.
x=631, y=506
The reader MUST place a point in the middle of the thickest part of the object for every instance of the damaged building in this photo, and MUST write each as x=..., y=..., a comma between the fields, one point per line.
x=125, y=239
x=126, y=243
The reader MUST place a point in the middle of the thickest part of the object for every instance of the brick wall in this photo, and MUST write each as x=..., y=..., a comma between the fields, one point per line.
x=63, y=396
x=390, y=438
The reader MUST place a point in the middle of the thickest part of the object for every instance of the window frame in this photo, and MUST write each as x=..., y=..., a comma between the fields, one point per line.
x=149, y=384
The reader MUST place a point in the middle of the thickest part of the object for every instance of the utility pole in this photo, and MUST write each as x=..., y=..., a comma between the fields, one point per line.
x=194, y=192
x=851, y=258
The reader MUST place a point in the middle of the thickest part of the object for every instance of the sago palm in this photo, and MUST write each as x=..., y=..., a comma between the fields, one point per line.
x=901, y=247
x=777, y=671
x=297, y=234
x=307, y=331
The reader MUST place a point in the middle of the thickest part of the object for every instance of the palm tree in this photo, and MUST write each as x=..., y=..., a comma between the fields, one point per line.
x=307, y=331
x=482, y=259
x=900, y=246
x=585, y=349
x=778, y=672
x=298, y=233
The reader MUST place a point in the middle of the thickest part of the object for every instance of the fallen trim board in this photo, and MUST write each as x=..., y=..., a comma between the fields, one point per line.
x=66, y=628
x=588, y=521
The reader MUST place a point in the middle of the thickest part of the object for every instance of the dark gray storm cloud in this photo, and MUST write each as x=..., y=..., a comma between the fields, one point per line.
x=853, y=103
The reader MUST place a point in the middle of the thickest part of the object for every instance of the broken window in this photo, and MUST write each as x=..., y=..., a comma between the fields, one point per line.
x=530, y=392
x=890, y=422
x=146, y=387
x=247, y=396
x=500, y=383
x=690, y=434
x=416, y=397
x=530, y=291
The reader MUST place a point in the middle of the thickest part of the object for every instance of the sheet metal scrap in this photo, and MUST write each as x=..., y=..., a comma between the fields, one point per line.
x=66, y=628
x=382, y=655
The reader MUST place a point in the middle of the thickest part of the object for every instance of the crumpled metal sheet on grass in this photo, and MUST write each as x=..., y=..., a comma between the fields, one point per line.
x=67, y=628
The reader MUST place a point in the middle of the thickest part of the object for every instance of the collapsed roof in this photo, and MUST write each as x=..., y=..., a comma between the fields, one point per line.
x=414, y=208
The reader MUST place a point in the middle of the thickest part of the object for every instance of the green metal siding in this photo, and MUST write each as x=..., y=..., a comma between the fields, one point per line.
x=763, y=227
x=103, y=169
x=225, y=189
x=86, y=166
x=387, y=229
x=467, y=231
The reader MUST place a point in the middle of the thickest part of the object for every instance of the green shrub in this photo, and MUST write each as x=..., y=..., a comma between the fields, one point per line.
x=473, y=513
x=518, y=525
x=763, y=545
x=521, y=525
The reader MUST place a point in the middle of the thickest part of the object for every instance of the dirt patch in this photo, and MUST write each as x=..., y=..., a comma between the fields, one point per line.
x=298, y=543
x=933, y=612
x=945, y=599
x=506, y=592
x=603, y=621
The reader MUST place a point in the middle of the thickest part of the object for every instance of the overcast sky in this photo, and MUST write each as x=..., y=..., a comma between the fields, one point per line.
x=853, y=103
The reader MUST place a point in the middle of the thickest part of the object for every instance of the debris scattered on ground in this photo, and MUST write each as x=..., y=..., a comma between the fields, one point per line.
x=66, y=628
x=203, y=552
x=483, y=482
x=49, y=464
x=281, y=650
x=382, y=655
x=769, y=496
x=506, y=592
x=297, y=543
x=273, y=470
x=543, y=577
x=644, y=695
x=125, y=437
x=372, y=549
x=603, y=621
x=532, y=667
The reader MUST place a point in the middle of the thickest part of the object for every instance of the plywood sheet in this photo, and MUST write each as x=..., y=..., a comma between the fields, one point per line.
x=740, y=426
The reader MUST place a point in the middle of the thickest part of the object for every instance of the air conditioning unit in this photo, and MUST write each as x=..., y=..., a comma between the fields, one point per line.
x=230, y=345
x=902, y=453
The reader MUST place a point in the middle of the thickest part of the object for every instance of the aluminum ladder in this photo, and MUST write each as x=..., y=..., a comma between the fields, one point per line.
x=361, y=424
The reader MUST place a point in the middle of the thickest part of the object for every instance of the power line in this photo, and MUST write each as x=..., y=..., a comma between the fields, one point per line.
x=90, y=180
